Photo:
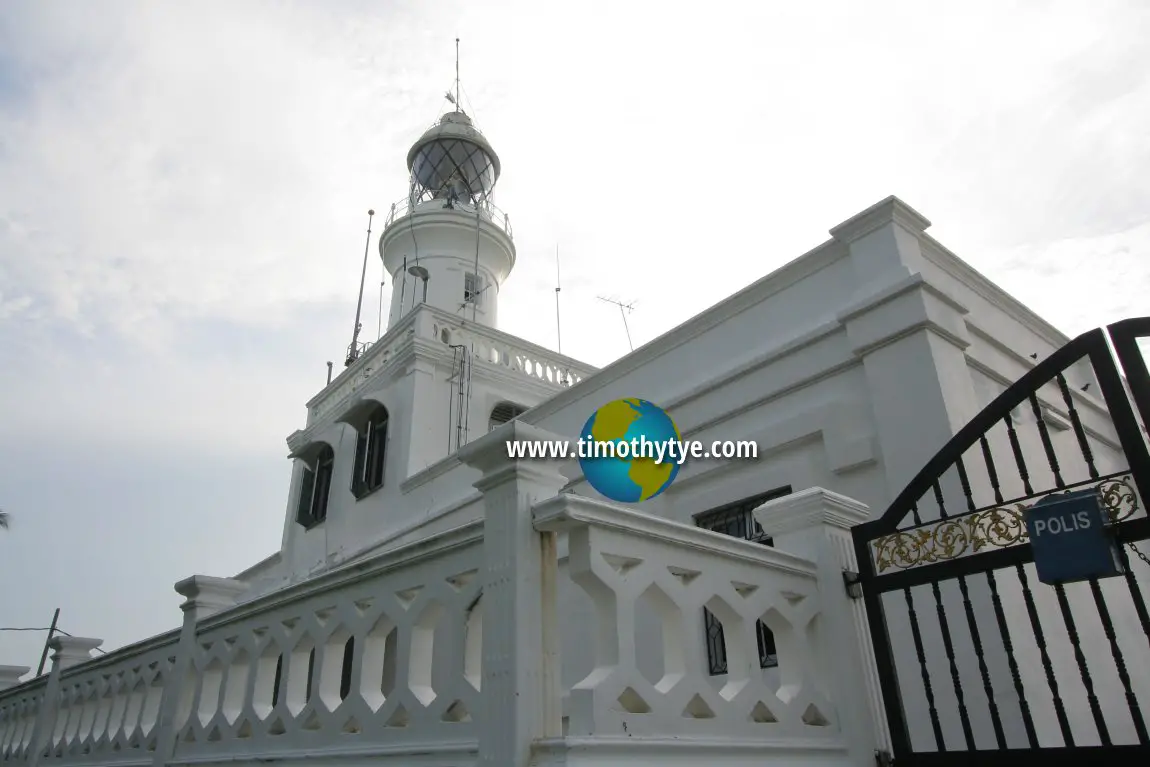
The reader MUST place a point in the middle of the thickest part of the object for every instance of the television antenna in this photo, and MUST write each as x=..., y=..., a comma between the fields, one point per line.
x=624, y=310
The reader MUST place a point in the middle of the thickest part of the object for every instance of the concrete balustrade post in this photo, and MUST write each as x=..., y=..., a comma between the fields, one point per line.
x=66, y=653
x=10, y=675
x=520, y=684
x=815, y=524
x=204, y=596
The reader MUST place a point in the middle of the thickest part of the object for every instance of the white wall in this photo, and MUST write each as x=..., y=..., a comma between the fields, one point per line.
x=448, y=243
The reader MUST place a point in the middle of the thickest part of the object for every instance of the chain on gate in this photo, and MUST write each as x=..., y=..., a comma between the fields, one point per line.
x=1139, y=553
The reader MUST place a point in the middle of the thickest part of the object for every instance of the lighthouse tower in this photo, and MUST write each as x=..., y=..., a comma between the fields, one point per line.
x=447, y=244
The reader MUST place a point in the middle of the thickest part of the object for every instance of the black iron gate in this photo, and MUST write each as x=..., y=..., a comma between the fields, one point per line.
x=979, y=662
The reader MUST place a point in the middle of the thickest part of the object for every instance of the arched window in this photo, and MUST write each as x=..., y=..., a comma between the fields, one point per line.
x=314, y=489
x=370, y=453
x=504, y=412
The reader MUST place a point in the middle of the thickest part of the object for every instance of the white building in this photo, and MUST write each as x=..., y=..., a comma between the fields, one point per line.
x=433, y=602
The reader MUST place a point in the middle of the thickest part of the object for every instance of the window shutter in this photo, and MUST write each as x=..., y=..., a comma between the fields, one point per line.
x=306, y=488
x=359, y=469
x=322, y=485
x=378, y=450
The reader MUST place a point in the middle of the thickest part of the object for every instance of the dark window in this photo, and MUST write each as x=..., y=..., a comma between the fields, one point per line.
x=370, y=454
x=738, y=520
x=504, y=412
x=471, y=289
x=314, y=489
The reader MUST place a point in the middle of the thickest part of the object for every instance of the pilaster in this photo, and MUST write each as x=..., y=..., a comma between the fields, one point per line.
x=427, y=430
x=520, y=644
x=911, y=337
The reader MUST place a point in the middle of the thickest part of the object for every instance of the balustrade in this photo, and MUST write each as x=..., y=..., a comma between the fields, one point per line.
x=628, y=564
x=390, y=657
x=533, y=363
x=353, y=663
x=110, y=705
x=19, y=709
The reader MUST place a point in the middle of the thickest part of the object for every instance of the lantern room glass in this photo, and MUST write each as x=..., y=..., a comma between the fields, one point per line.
x=452, y=168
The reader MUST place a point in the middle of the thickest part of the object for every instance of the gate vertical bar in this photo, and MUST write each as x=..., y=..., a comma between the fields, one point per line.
x=1083, y=670
x=1119, y=660
x=972, y=623
x=947, y=640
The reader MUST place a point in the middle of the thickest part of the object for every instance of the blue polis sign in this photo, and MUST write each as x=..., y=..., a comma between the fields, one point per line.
x=1071, y=539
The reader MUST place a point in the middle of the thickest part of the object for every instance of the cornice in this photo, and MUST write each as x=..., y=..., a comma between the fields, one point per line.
x=1083, y=399
x=927, y=325
x=890, y=210
x=1056, y=415
x=938, y=254
x=385, y=344
x=892, y=291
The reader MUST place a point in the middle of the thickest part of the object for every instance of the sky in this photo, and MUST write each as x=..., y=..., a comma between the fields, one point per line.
x=183, y=197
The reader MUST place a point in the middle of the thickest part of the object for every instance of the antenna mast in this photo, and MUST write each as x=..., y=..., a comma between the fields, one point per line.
x=623, y=309
x=457, y=104
x=353, y=350
x=558, y=330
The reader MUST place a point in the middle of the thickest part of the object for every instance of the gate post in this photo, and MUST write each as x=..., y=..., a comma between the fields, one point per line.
x=815, y=524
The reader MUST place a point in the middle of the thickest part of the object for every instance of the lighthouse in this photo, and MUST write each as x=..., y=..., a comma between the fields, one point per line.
x=446, y=244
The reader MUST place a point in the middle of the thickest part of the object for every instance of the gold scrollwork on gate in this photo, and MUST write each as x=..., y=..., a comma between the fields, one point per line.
x=1119, y=498
x=994, y=528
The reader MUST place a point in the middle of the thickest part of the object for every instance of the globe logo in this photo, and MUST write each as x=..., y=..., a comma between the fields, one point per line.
x=625, y=477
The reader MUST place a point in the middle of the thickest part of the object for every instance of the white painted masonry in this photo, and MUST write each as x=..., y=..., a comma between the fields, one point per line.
x=479, y=610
